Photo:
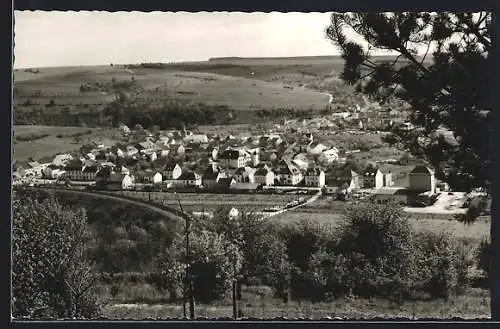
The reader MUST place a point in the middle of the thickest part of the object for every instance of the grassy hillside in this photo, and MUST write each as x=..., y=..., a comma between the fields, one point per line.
x=231, y=88
x=242, y=87
x=44, y=142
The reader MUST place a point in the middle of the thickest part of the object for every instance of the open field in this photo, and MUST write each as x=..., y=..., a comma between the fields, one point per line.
x=236, y=92
x=210, y=202
x=59, y=140
x=258, y=303
x=475, y=232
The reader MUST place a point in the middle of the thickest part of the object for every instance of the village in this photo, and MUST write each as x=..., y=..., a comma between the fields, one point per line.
x=284, y=159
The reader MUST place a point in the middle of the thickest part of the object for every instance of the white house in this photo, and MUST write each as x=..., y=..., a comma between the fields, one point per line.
x=118, y=181
x=61, y=160
x=131, y=150
x=264, y=176
x=289, y=174
x=190, y=179
x=181, y=150
x=330, y=156
x=145, y=147
x=196, y=139
x=314, y=177
x=52, y=172
x=89, y=173
x=233, y=159
x=171, y=171
x=34, y=169
x=124, y=129
x=214, y=153
x=316, y=149
x=150, y=155
x=245, y=175
x=120, y=153
x=153, y=177
x=373, y=178
x=74, y=170
x=254, y=154
x=211, y=176
x=163, y=153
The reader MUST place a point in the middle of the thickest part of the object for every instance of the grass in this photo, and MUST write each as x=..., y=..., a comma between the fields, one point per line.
x=209, y=202
x=51, y=145
x=474, y=232
x=473, y=304
x=237, y=92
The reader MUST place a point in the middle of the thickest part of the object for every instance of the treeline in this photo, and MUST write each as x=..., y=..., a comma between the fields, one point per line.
x=283, y=112
x=31, y=137
x=171, y=115
x=60, y=118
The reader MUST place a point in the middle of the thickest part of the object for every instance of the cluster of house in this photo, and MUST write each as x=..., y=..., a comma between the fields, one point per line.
x=231, y=163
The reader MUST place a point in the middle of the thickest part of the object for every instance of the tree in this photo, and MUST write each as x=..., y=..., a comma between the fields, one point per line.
x=378, y=240
x=51, y=275
x=262, y=254
x=449, y=90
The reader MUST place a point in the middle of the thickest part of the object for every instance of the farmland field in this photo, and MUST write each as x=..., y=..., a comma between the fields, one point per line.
x=209, y=202
x=58, y=140
x=211, y=88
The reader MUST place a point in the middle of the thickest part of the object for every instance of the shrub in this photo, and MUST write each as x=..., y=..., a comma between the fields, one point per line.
x=442, y=263
x=214, y=263
x=483, y=256
x=377, y=241
x=51, y=275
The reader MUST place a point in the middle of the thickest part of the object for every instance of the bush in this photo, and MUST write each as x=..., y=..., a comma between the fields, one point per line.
x=51, y=275
x=377, y=240
x=212, y=267
x=483, y=257
x=443, y=264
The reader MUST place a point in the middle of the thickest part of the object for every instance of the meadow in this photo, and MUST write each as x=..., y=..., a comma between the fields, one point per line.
x=330, y=219
x=208, y=83
x=209, y=202
x=257, y=302
x=55, y=140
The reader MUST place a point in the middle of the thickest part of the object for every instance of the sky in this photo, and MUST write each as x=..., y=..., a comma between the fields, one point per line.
x=99, y=38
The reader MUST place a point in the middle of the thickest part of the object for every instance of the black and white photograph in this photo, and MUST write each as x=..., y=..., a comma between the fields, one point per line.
x=231, y=165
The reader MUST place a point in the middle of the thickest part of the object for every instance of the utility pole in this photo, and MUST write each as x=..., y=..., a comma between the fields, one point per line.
x=189, y=278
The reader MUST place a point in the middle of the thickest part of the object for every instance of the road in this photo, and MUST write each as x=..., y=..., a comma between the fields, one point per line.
x=162, y=210
x=310, y=200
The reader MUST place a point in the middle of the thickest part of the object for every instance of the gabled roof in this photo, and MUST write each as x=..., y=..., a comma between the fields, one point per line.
x=91, y=169
x=421, y=169
x=370, y=171
x=287, y=168
x=150, y=173
x=33, y=164
x=313, y=171
x=103, y=172
x=261, y=172
x=226, y=181
x=74, y=165
x=189, y=175
x=169, y=167
x=146, y=145
x=242, y=170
